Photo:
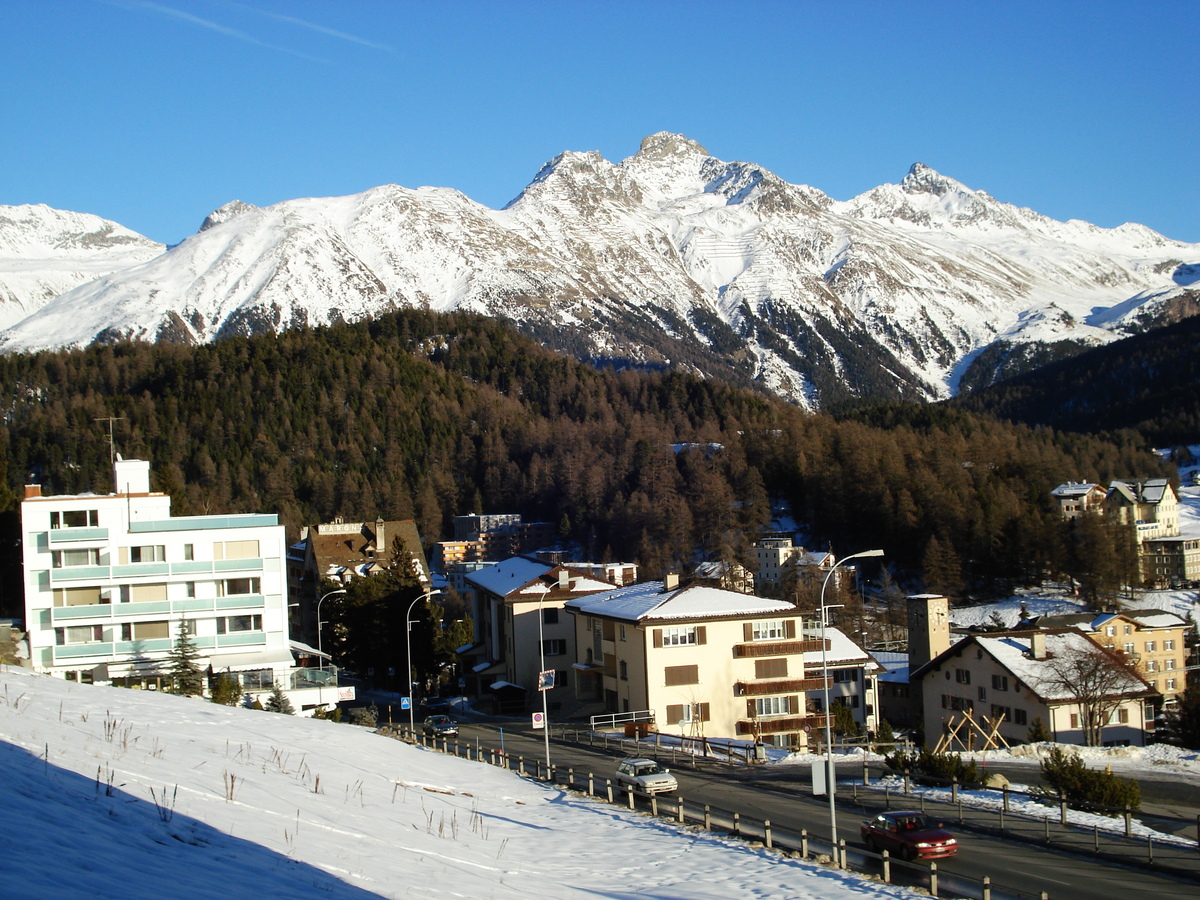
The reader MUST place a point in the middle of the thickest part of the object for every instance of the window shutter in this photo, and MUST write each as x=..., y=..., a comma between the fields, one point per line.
x=793, y=704
x=701, y=634
x=703, y=712
x=747, y=631
x=674, y=713
x=789, y=627
x=658, y=637
x=750, y=708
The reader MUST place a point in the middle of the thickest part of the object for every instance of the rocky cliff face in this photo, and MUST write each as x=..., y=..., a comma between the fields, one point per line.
x=668, y=258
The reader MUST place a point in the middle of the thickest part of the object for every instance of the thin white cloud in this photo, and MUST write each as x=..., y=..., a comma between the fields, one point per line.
x=312, y=26
x=190, y=19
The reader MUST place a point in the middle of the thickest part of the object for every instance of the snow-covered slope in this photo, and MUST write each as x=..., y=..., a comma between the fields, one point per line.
x=135, y=795
x=670, y=257
x=45, y=252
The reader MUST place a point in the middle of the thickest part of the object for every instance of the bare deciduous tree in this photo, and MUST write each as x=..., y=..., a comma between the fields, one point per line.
x=1098, y=679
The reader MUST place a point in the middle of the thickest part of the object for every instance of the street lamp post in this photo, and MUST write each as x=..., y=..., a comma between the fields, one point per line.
x=320, y=649
x=412, y=729
x=829, y=770
x=541, y=687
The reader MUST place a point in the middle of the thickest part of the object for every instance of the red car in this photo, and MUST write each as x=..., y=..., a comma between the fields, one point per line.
x=909, y=834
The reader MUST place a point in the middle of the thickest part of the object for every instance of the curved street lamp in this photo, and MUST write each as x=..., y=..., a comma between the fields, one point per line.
x=320, y=649
x=829, y=770
x=408, y=656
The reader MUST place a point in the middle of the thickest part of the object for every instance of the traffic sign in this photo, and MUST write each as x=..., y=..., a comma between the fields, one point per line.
x=539, y=720
x=546, y=680
x=406, y=702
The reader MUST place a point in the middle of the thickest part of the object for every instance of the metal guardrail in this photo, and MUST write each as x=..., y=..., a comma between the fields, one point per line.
x=677, y=809
x=612, y=720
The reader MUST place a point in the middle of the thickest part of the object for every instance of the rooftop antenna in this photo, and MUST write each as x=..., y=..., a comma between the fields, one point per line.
x=112, y=451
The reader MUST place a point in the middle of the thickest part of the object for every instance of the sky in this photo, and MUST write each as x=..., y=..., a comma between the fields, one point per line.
x=155, y=112
x=113, y=793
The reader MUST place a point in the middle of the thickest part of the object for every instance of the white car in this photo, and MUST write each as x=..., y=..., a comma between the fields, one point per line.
x=645, y=775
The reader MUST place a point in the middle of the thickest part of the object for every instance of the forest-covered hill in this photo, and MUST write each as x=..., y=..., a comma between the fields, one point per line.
x=1149, y=383
x=427, y=416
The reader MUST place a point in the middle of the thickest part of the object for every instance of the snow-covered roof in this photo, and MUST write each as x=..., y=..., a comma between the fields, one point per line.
x=649, y=600
x=1072, y=489
x=1155, y=618
x=1152, y=490
x=504, y=577
x=841, y=650
x=1012, y=652
x=305, y=650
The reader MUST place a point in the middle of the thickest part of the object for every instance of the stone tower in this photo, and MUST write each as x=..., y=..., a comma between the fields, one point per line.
x=928, y=628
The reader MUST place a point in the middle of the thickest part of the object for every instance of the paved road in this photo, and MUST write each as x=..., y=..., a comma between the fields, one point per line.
x=783, y=795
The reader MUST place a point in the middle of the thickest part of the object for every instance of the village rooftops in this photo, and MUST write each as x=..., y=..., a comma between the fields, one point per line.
x=650, y=601
x=520, y=577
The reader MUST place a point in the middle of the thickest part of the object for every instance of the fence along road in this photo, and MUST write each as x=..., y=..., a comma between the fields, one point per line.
x=1027, y=868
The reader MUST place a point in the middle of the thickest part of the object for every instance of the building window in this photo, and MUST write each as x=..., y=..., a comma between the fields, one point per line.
x=189, y=551
x=845, y=676
x=1018, y=717
x=962, y=676
x=189, y=590
x=679, y=636
x=74, y=518
x=1129, y=629
x=554, y=647
x=87, y=596
x=238, y=624
x=624, y=667
x=78, y=634
x=1110, y=630
x=549, y=616
x=769, y=630
x=1000, y=682
x=152, y=553
x=776, y=667
x=1128, y=648
x=145, y=631
x=1169, y=644
x=1151, y=666
x=771, y=706
x=1074, y=720
x=982, y=693
x=1170, y=684
x=1168, y=664
x=233, y=587
x=236, y=550
x=66, y=559
x=622, y=632
x=256, y=679
x=1150, y=646
x=674, y=676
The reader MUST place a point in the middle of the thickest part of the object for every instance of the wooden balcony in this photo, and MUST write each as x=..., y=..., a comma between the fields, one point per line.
x=777, y=648
x=781, y=725
x=778, y=686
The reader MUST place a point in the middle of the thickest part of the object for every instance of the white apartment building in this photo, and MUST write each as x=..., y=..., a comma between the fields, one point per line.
x=110, y=578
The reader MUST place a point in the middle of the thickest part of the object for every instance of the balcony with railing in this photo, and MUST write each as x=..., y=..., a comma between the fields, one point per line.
x=780, y=725
x=778, y=686
x=756, y=649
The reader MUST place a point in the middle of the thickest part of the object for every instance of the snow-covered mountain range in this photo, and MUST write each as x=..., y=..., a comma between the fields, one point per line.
x=668, y=258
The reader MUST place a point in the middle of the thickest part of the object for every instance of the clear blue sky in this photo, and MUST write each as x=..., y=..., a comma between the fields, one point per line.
x=155, y=113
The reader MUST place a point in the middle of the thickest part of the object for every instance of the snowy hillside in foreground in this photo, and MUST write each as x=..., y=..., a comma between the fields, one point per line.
x=669, y=257
x=113, y=793
x=45, y=252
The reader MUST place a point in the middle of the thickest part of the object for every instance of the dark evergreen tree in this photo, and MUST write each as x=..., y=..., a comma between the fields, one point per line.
x=278, y=702
x=187, y=678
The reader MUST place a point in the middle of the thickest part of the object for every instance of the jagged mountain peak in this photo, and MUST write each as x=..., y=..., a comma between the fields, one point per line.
x=922, y=179
x=671, y=257
x=230, y=210
x=668, y=145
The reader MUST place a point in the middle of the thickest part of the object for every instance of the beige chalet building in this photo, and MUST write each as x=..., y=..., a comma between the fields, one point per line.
x=1150, y=638
x=1008, y=677
x=702, y=660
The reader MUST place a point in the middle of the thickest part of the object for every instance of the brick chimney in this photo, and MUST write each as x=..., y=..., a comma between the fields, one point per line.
x=32, y=490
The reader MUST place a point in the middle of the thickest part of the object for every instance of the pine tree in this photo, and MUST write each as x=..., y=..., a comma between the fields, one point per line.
x=186, y=675
x=1038, y=732
x=226, y=690
x=279, y=702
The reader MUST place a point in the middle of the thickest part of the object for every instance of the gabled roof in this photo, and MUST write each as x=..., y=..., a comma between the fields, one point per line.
x=1072, y=489
x=520, y=578
x=1012, y=652
x=1093, y=622
x=338, y=547
x=842, y=651
x=650, y=601
x=1151, y=491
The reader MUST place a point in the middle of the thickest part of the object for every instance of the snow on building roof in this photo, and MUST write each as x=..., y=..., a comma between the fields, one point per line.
x=1152, y=490
x=841, y=650
x=649, y=600
x=504, y=577
x=1155, y=618
x=1072, y=489
x=1012, y=652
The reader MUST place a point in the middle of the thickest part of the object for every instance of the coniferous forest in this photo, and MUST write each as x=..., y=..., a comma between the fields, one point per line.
x=426, y=416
